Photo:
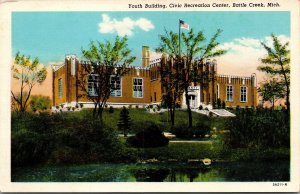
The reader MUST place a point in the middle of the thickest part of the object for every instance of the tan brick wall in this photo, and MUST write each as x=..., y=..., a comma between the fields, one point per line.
x=126, y=88
x=151, y=85
x=59, y=74
x=236, y=83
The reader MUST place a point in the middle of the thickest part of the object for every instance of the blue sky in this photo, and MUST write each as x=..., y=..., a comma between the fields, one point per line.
x=51, y=35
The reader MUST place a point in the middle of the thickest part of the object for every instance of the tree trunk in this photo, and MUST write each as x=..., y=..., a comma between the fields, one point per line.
x=188, y=107
x=100, y=114
x=95, y=110
x=287, y=98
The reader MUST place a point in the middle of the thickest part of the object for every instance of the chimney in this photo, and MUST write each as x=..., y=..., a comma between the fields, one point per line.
x=145, y=56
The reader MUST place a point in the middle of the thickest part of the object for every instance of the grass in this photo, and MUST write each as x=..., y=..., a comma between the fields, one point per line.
x=140, y=116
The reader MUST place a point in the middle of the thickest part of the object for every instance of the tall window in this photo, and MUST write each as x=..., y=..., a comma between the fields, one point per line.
x=138, y=87
x=115, y=82
x=229, y=93
x=243, y=94
x=60, y=89
x=218, y=91
x=92, y=84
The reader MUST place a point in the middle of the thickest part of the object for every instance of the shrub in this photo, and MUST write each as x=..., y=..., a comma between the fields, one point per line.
x=111, y=109
x=182, y=131
x=150, y=136
x=137, y=106
x=223, y=105
x=201, y=129
x=259, y=128
x=158, y=107
x=81, y=105
x=219, y=103
x=39, y=103
x=200, y=107
x=124, y=121
x=63, y=139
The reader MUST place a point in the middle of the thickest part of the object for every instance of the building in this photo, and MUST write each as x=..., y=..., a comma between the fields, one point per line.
x=141, y=86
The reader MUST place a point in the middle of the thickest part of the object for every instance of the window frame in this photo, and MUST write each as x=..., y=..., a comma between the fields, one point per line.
x=116, y=90
x=94, y=81
x=227, y=93
x=245, y=94
x=137, y=85
x=60, y=88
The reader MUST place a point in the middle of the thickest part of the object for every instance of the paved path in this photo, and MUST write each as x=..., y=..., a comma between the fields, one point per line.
x=191, y=141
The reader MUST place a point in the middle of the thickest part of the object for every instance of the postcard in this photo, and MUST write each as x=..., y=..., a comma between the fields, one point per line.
x=149, y=96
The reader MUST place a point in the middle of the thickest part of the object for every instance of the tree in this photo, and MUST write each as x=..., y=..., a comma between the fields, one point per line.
x=181, y=71
x=170, y=71
x=192, y=71
x=277, y=65
x=28, y=73
x=40, y=103
x=106, y=61
x=272, y=91
x=124, y=122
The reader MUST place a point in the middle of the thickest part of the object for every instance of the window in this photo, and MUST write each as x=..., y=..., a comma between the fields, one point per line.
x=115, y=82
x=138, y=87
x=218, y=91
x=93, y=80
x=60, y=89
x=243, y=94
x=154, y=96
x=229, y=93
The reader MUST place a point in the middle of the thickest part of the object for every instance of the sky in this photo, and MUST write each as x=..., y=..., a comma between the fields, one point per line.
x=52, y=35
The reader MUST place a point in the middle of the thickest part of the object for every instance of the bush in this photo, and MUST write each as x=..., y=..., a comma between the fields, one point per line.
x=259, y=128
x=150, y=136
x=223, y=105
x=111, y=109
x=63, y=139
x=40, y=103
x=124, y=121
x=182, y=131
x=201, y=129
x=219, y=103
x=200, y=107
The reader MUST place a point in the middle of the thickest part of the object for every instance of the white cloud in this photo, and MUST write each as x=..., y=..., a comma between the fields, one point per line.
x=123, y=27
x=243, y=56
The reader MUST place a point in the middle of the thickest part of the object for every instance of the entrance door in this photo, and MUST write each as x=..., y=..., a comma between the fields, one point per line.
x=192, y=101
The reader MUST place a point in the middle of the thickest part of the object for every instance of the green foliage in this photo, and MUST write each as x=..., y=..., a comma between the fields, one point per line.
x=223, y=105
x=63, y=139
x=259, y=128
x=219, y=103
x=277, y=67
x=271, y=91
x=149, y=136
x=111, y=109
x=28, y=73
x=178, y=72
x=198, y=131
x=40, y=103
x=201, y=129
x=124, y=121
x=107, y=59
